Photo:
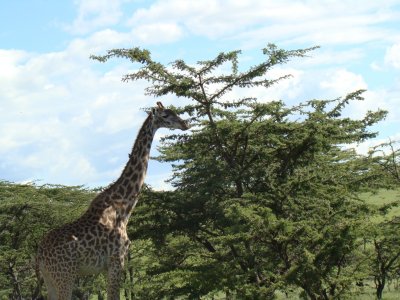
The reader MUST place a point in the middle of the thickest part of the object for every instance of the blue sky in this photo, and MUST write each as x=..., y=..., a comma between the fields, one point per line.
x=70, y=120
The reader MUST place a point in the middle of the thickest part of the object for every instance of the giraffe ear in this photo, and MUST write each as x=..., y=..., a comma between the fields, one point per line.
x=153, y=111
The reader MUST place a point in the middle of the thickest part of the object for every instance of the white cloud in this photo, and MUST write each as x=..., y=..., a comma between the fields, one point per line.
x=9, y=60
x=52, y=163
x=158, y=181
x=84, y=119
x=95, y=14
x=122, y=117
x=373, y=101
x=327, y=56
x=311, y=22
x=392, y=56
x=342, y=82
x=375, y=66
x=306, y=22
x=157, y=33
x=364, y=147
x=288, y=90
x=58, y=112
x=98, y=42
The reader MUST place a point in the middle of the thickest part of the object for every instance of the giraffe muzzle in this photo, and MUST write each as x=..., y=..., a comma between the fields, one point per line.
x=185, y=125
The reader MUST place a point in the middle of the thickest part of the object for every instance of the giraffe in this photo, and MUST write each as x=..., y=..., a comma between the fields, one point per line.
x=97, y=241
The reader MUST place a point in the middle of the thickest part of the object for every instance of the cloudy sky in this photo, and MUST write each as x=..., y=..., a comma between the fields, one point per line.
x=70, y=120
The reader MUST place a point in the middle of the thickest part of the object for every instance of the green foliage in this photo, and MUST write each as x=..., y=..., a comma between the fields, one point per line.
x=385, y=260
x=27, y=212
x=266, y=195
x=278, y=205
x=194, y=82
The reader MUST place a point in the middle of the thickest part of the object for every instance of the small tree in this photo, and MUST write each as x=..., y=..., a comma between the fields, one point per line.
x=385, y=232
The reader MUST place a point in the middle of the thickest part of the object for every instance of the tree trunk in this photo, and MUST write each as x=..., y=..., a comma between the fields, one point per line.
x=37, y=293
x=16, y=293
x=239, y=188
x=100, y=295
x=379, y=291
x=380, y=285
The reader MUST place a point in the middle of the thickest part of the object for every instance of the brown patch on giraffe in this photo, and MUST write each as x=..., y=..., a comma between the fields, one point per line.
x=129, y=171
x=119, y=204
x=121, y=190
x=129, y=190
x=115, y=196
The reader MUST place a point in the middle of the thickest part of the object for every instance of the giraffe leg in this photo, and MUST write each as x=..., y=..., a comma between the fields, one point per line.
x=64, y=289
x=60, y=283
x=51, y=291
x=59, y=291
x=65, y=293
x=114, y=275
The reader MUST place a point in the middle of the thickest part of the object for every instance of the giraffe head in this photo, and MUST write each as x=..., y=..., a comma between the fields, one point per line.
x=166, y=118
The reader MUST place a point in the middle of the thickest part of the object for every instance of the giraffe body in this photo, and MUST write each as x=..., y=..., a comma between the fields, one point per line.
x=98, y=241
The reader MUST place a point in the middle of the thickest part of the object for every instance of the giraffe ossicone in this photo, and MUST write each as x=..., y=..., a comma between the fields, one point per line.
x=97, y=241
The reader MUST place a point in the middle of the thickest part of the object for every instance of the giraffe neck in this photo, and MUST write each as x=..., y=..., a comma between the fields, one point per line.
x=129, y=184
x=118, y=200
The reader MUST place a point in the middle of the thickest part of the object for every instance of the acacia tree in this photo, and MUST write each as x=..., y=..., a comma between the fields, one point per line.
x=266, y=197
x=386, y=259
x=385, y=232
